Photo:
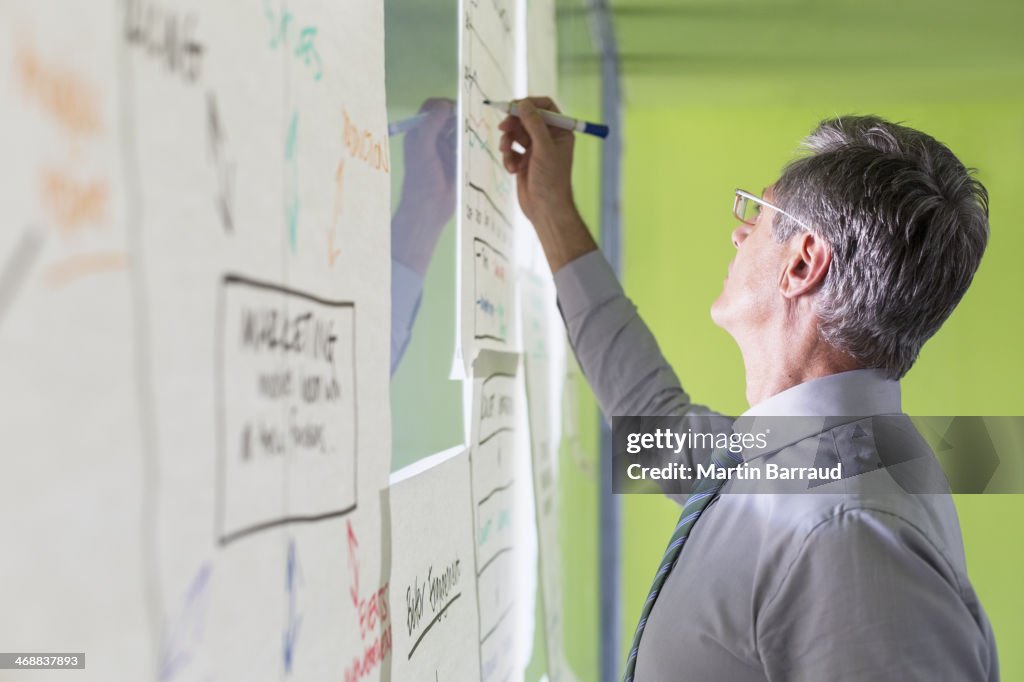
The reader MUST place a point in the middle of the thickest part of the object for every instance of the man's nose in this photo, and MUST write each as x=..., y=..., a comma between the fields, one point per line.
x=739, y=234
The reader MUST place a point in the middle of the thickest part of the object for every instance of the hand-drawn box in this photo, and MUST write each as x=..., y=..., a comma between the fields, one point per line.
x=287, y=407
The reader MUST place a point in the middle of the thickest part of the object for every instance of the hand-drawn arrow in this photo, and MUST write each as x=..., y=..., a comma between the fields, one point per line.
x=291, y=631
x=339, y=181
x=353, y=544
x=225, y=171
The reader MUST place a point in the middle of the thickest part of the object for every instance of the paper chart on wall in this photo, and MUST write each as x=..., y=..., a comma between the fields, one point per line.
x=433, y=570
x=487, y=191
x=264, y=214
x=208, y=211
x=70, y=491
x=494, y=483
x=541, y=48
x=543, y=352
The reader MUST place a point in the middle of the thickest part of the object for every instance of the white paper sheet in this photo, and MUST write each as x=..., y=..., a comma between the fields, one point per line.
x=494, y=484
x=543, y=349
x=197, y=354
x=433, y=571
x=265, y=228
x=487, y=191
x=72, y=487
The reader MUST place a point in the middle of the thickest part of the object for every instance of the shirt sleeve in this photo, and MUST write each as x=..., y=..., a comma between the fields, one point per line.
x=868, y=597
x=406, y=293
x=616, y=351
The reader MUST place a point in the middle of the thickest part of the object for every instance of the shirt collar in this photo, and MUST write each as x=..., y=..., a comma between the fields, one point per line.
x=856, y=393
x=823, y=403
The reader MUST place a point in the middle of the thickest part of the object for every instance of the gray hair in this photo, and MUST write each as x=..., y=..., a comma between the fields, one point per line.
x=907, y=225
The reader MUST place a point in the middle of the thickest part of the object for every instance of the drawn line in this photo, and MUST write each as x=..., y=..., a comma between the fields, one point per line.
x=432, y=624
x=490, y=561
x=475, y=82
x=484, y=145
x=312, y=518
x=502, y=16
x=481, y=122
x=84, y=264
x=491, y=202
x=498, y=375
x=239, y=279
x=494, y=59
x=492, y=434
x=477, y=253
x=220, y=412
x=497, y=623
x=18, y=265
x=496, y=490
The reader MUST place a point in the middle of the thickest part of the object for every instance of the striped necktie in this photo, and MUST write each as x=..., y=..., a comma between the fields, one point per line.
x=705, y=491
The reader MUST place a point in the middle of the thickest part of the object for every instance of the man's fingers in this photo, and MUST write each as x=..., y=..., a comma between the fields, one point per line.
x=534, y=124
x=510, y=136
x=528, y=130
x=518, y=164
x=512, y=161
x=510, y=158
x=510, y=123
x=543, y=103
x=515, y=137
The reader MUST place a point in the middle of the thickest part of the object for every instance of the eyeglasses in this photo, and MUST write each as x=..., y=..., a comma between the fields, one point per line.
x=746, y=207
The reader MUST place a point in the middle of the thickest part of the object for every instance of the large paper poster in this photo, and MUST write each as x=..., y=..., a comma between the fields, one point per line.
x=195, y=350
x=73, y=487
x=433, y=571
x=494, y=485
x=487, y=191
x=264, y=213
x=544, y=350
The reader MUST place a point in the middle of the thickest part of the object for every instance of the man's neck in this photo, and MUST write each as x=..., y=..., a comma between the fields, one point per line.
x=773, y=368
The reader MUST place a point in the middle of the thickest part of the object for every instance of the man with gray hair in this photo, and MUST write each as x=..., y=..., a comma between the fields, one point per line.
x=844, y=267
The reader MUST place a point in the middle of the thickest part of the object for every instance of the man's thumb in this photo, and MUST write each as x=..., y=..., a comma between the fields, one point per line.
x=540, y=136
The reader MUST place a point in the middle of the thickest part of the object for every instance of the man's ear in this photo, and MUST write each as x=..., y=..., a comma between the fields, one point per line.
x=807, y=262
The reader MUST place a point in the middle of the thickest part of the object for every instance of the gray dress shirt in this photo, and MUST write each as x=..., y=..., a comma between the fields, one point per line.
x=858, y=582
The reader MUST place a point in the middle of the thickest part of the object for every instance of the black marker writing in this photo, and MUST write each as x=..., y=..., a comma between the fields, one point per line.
x=165, y=36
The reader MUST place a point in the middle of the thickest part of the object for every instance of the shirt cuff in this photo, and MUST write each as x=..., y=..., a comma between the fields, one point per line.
x=585, y=283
